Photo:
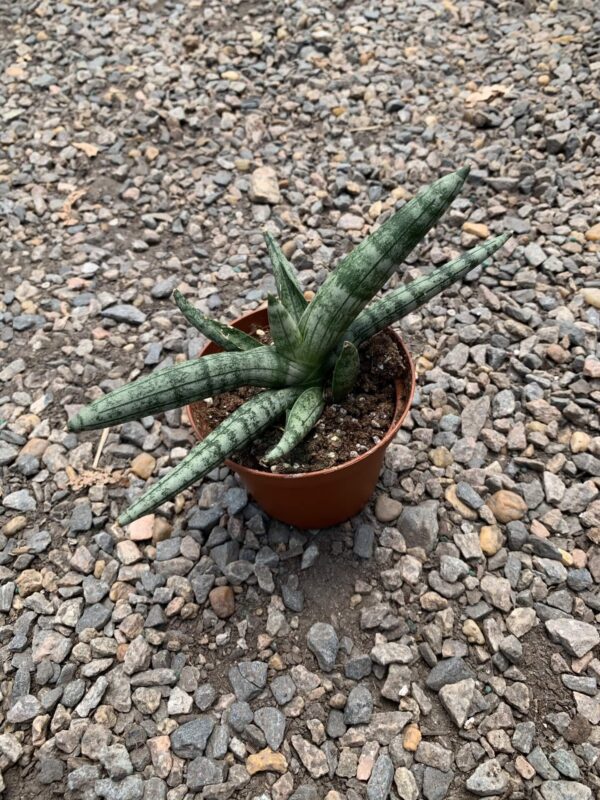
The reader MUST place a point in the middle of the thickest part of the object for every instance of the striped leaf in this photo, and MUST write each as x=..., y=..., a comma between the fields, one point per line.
x=345, y=372
x=404, y=299
x=284, y=330
x=302, y=417
x=238, y=430
x=286, y=280
x=184, y=383
x=360, y=275
x=224, y=335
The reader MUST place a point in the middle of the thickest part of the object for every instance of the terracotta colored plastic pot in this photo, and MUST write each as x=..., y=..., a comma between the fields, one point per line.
x=329, y=496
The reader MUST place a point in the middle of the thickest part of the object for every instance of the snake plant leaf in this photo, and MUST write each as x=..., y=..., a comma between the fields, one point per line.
x=284, y=330
x=300, y=420
x=225, y=336
x=362, y=273
x=286, y=280
x=184, y=383
x=234, y=433
x=345, y=372
x=404, y=299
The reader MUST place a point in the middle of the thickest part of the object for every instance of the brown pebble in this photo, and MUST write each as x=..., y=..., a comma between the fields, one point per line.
x=143, y=465
x=507, y=506
x=222, y=601
x=578, y=731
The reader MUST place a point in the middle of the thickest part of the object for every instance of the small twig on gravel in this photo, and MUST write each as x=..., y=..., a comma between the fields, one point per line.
x=367, y=128
x=101, y=443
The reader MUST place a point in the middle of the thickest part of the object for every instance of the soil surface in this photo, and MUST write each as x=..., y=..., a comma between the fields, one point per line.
x=344, y=431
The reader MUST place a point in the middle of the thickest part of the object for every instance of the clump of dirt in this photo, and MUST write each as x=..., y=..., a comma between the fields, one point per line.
x=344, y=431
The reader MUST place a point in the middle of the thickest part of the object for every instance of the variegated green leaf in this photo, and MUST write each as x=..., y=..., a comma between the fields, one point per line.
x=173, y=387
x=360, y=275
x=238, y=430
x=284, y=330
x=286, y=280
x=404, y=299
x=345, y=372
x=224, y=335
x=302, y=417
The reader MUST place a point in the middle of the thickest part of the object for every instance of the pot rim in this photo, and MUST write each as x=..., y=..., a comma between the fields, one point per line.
x=400, y=414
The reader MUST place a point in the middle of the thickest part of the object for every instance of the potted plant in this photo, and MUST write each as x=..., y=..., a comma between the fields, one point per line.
x=313, y=359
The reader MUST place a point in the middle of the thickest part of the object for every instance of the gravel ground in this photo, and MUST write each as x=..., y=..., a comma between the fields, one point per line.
x=445, y=643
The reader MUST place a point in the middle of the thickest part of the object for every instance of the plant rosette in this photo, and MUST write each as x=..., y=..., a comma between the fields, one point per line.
x=325, y=497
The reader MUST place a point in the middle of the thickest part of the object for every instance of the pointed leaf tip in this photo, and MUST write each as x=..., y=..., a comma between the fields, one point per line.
x=463, y=172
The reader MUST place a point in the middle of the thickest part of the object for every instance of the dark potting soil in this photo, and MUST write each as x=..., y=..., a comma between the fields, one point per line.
x=344, y=431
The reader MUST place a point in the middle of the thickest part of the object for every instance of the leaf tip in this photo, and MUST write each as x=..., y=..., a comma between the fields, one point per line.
x=463, y=172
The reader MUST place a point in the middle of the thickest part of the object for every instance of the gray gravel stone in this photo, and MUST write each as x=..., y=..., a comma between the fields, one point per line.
x=123, y=312
x=565, y=790
x=131, y=788
x=380, y=782
x=322, y=641
x=272, y=723
x=24, y=709
x=189, y=740
x=488, y=779
x=364, y=539
x=248, y=679
x=450, y=670
x=359, y=706
x=419, y=525
x=575, y=636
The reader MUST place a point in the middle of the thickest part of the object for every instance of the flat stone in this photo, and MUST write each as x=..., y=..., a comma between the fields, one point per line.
x=391, y=653
x=457, y=698
x=534, y=254
x=24, y=709
x=577, y=637
x=124, y=312
x=565, y=790
x=130, y=788
x=21, y=500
